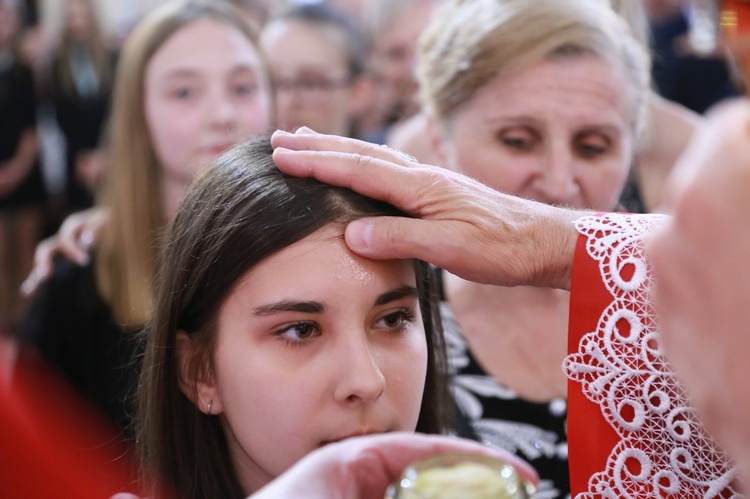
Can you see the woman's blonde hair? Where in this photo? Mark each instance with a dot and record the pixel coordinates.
(127, 254)
(469, 42)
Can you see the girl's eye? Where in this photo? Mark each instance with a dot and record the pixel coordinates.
(245, 89)
(298, 333)
(183, 93)
(398, 320)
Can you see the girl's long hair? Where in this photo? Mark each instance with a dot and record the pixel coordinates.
(238, 213)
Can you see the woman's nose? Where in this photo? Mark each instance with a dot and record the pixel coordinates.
(557, 183)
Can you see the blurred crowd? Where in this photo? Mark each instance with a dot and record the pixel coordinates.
(340, 67)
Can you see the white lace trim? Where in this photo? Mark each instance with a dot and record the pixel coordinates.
(621, 368)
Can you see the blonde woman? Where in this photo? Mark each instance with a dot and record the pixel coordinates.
(542, 103)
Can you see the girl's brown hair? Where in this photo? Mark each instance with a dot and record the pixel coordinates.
(238, 213)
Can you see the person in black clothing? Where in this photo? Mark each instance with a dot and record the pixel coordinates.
(81, 82)
(22, 190)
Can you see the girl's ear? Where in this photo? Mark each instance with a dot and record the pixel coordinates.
(195, 377)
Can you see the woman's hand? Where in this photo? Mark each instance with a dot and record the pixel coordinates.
(463, 226)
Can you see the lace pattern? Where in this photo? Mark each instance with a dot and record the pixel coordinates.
(663, 450)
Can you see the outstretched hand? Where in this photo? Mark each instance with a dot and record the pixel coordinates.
(363, 467)
(460, 224)
(74, 240)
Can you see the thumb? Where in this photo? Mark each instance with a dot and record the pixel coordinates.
(384, 238)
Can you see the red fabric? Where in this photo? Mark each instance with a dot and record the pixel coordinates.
(590, 438)
(50, 444)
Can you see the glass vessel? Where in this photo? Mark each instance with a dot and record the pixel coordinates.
(460, 476)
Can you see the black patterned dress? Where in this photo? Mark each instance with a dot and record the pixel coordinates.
(494, 414)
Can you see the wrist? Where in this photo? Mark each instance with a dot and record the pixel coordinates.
(559, 245)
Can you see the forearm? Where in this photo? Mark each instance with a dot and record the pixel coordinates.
(19, 165)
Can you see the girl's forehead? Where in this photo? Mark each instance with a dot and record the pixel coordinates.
(324, 257)
(204, 45)
(205, 35)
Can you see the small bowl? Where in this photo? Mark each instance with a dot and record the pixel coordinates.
(460, 476)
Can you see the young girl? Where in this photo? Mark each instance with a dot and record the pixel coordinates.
(270, 339)
(190, 83)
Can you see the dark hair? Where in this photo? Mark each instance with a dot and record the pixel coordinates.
(236, 214)
(356, 41)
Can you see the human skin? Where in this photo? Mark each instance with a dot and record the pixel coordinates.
(393, 53)
(512, 241)
(559, 131)
(363, 467)
(700, 265)
(323, 60)
(205, 89)
(315, 344)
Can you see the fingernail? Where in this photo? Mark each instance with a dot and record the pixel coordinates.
(306, 130)
(280, 132)
(359, 234)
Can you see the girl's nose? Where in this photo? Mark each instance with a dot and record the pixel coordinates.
(361, 379)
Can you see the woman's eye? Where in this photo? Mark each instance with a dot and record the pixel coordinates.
(298, 332)
(591, 150)
(592, 145)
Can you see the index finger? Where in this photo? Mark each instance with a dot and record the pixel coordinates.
(306, 139)
(368, 169)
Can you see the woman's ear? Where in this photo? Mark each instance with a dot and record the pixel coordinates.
(195, 376)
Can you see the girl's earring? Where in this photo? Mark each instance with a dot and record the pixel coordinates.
(208, 407)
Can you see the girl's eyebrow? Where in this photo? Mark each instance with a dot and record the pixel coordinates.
(191, 72)
(308, 307)
(314, 307)
(397, 294)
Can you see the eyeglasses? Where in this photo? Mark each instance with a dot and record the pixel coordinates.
(311, 88)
